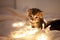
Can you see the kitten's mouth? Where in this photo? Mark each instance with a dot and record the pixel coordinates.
(34, 20)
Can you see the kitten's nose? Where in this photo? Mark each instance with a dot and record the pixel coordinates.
(32, 19)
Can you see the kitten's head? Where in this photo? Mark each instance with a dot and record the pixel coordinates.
(34, 14)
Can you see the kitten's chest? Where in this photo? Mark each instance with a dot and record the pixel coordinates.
(37, 24)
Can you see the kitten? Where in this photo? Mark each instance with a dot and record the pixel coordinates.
(35, 17)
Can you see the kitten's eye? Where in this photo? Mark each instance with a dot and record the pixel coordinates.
(36, 17)
(30, 16)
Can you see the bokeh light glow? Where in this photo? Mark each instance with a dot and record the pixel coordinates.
(27, 31)
(18, 24)
(43, 36)
(24, 32)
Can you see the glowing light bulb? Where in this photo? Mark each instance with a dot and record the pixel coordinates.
(21, 23)
(15, 25)
(18, 24)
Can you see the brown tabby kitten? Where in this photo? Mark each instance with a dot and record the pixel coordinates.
(35, 17)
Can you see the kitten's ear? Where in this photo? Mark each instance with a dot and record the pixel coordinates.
(41, 14)
(29, 11)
